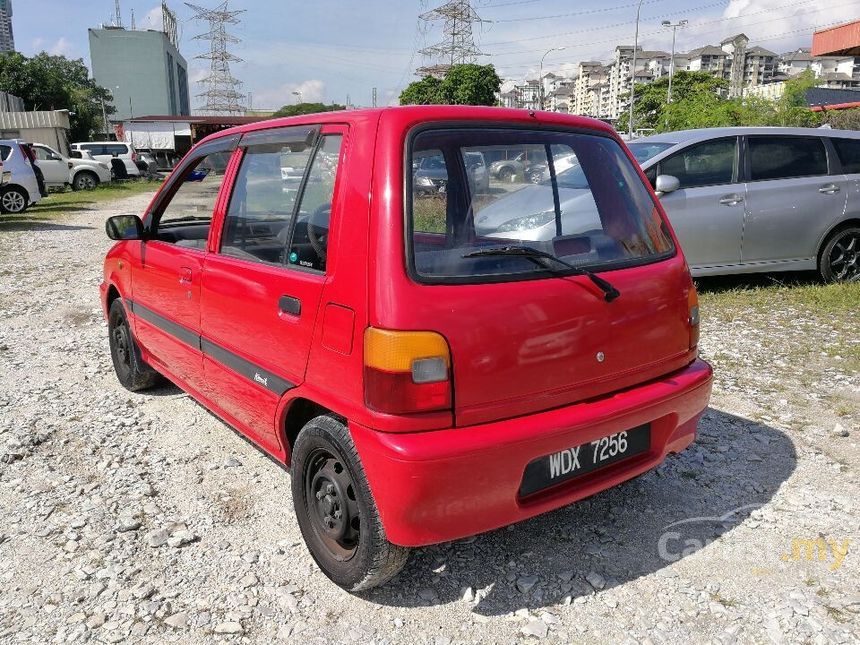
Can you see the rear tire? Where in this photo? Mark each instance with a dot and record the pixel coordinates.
(506, 174)
(132, 373)
(336, 511)
(839, 260)
(85, 180)
(13, 201)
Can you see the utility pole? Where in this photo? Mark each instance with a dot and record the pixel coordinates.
(633, 71)
(374, 97)
(674, 27)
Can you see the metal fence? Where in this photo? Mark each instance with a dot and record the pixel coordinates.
(11, 103)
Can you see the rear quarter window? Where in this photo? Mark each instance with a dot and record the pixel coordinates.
(848, 151)
(786, 157)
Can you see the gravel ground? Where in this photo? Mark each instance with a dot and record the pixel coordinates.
(143, 518)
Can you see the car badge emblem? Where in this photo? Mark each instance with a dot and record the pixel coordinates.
(601, 357)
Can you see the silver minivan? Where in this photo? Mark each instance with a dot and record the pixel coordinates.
(760, 199)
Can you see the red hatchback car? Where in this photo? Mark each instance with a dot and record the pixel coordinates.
(426, 366)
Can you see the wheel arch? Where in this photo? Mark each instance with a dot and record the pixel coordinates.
(836, 228)
(296, 413)
(90, 171)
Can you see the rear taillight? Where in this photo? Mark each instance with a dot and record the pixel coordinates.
(406, 371)
(693, 307)
(134, 157)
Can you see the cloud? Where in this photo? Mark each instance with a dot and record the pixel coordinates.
(312, 91)
(61, 48)
(37, 44)
(152, 20)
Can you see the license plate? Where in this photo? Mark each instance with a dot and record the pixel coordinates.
(585, 458)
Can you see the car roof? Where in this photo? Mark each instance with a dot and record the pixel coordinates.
(703, 134)
(408, 115)
(84, 143)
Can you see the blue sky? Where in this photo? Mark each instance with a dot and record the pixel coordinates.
(329, 49)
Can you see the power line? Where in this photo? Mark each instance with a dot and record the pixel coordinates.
(692, 25)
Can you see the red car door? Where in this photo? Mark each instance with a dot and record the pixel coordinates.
(166, 282)
(261, 290)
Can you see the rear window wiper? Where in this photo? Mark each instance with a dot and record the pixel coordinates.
(536, 255)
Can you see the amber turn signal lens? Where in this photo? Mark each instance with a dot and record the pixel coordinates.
(395, 351)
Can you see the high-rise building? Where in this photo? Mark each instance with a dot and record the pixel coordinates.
(143, 70)
(7, 38)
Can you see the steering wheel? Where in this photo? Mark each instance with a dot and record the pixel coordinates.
(318, 224)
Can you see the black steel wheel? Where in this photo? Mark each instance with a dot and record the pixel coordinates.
(336, 511)
(506, 174)
(840, 258)
(132, 373)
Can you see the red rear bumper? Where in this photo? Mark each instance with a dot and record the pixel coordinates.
(444, 485)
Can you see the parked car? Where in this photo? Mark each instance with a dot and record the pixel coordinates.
(60, 171)
(22, 188)
(422, 384)
(526, 166)
(430, 175)
(747, 200)
(107, 151)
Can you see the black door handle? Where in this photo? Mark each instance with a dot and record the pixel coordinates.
(290, 305)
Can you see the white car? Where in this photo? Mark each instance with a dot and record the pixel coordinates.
(60, 171)
(107, 151)
(21, 190)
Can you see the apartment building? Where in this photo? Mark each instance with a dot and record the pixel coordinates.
(602, 90)
(7, 37)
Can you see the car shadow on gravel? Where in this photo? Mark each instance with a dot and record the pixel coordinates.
(37, 224)
(637, 529)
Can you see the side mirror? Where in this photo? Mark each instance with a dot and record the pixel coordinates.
(666, 184)
(124, 227)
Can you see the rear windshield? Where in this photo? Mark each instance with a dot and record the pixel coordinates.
(578, 197)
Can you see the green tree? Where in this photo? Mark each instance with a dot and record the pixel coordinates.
(48, 82)
(792, 108)
(427, 91)
(462, 85)
(307, 108)
(692, 92)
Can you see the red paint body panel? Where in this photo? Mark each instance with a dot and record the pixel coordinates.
(526, 381)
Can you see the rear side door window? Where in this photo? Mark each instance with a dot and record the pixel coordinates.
(786, 157)
(281, 205)
(711, 163)
(848, 151)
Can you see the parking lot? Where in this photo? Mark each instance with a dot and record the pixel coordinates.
(143, 517)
